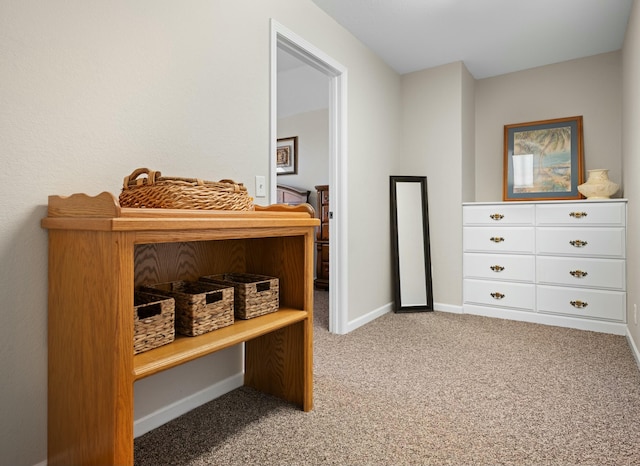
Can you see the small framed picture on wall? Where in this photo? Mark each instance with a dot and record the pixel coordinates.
(287, 156)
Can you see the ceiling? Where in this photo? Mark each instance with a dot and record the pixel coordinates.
(491, 37)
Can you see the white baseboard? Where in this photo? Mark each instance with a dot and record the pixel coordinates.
(448, 308)
(373, 315)
(616, 328)
(369, 317)
(537, 318)
(178, 408)
(634, 348)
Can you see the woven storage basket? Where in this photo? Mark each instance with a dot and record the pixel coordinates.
(156, 191)
(153, 321)
(255, 295)
(200, 307)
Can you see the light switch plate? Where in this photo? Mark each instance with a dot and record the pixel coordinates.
(261, 189)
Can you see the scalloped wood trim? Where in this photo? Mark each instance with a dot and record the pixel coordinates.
(287, 208)
(82, 205)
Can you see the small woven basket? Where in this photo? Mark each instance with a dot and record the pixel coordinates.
(255, 295)
(200, 307)
(153, 321)
(156, 191)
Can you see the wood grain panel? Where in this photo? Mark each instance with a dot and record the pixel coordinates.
(281, 257)
(164, 262)
(275, 364)
(90, 412)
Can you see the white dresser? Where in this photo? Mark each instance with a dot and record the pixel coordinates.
(552, 262)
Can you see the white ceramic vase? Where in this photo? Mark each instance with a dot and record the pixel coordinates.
(598, 185)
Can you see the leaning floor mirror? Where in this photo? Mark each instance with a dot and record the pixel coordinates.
(411, 256)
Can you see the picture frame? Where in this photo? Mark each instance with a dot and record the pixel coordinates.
(287, 156)
(543, 160)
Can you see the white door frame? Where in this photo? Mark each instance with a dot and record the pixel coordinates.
(283, 38)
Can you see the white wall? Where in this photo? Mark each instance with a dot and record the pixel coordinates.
(591, 87)
(374, 141)
(300, 89)
(312, 129)
(468, 136)
(433, 135)
(91, 90)
(631, 163)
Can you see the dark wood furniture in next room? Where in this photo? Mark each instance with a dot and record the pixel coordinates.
(322, 239)
(292, 196)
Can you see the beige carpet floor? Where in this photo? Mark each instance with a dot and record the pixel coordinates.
(429, 388)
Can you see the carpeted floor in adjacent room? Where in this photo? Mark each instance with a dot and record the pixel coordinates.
(429, 388)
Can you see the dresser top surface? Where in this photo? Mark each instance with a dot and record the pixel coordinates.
(581, 201)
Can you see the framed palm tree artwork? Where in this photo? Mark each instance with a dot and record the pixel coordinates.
(543, 160)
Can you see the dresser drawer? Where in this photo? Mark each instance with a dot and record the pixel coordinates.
(578, 271)
(499, 267)
(498, 214)
(582, 214)
(599, 242)
(499, 239)
(597, 304)
(502, 294)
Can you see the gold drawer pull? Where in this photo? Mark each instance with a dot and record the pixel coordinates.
(496, 216)
(578, 243)
(579, 304)
(497, 268)
(497, 295)
(578, 214)
(578, 273)
(497, 239)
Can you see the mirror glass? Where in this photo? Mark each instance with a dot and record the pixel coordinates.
(410, 244)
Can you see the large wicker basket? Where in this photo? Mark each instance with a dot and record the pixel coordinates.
(254, 295)
(200, 307)
(156, 191)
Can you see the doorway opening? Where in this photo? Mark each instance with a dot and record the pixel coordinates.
(284, 39)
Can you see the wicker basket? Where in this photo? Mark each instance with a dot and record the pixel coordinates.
(153, 321)
(200, 307)
(156, 191)
(255, 295)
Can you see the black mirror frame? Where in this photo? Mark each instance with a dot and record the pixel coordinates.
(393, 180)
